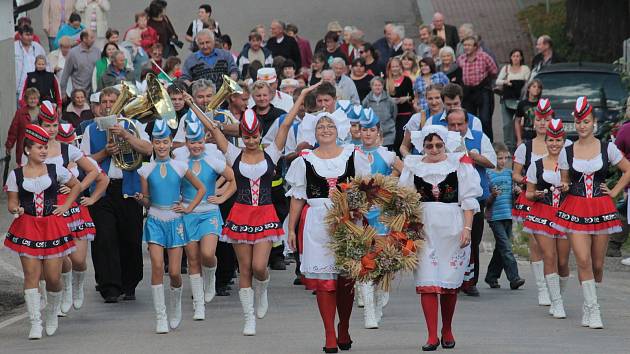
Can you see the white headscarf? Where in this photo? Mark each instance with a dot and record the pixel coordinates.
(452, 140)
(307, 128)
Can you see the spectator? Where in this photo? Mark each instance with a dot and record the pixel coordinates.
(465, 30)
(512, 78)
(410, 65)
(424, 47)
(162, 25)
(400, 88)
(452, 96)
(95, 14)
(23, 116)
(57, 58)
(317, 67)
(333, 26)
(408, 46)
(147, 34)
(361, 78)
(25, 21)
(437, 43)
(80, 64)
(55, 13)
(135, 53)
(433, 96)
(156, 57)
(71, 29)
(332, 49)
(478, 70)
(78, 110)
(281, 45)
(383, 46)
(306, 53)
(280, 100)
(112, 36)
(289, 86)
(260, 29)
(546, 54)
(428, 76)
(618, 239)
(208, 62)
(173, 70)
(226, 44)
(397, 35)
(253, 51)
(25, 53)
(204, 20)
(372, 63)
(288, 70)
(449, 65)
(102, 64)
(44, 81)
(524, 116)
(116, 71)
(354, 44)
(345, 87)
(447, 32)
(385, 109)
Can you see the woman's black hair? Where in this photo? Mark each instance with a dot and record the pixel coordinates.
(430, 137)
(74, 17)
(430, 63)
(358, 61)
(367, 47)
(104, 51)
(28, 144)
(514, 51)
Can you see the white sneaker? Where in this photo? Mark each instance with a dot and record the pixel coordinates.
(626, 261)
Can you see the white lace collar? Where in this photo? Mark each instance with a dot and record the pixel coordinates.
(422, 169)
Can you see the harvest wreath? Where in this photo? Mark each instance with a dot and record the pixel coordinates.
(359, 252)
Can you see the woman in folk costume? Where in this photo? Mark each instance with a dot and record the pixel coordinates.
(253, 224)
(78, 217)
(546, 191)
(312, 177)
(524, 156)
(39, 234)
(371, 158)
(161, 182)
(448, 186)
(588, 214)
(203, 225)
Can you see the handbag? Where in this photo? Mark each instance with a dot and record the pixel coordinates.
(498, 89)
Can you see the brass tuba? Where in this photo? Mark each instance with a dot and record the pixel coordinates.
(228, 88)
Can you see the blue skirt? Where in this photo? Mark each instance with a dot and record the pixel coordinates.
(198, 225)
(168, 234)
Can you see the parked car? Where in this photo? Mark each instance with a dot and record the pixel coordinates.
(564, 82)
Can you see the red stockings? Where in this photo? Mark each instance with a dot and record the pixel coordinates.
(429, 304)
(327, 303)
(447, 304)
(345, 300)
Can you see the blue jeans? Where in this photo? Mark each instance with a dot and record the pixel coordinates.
(502, 257)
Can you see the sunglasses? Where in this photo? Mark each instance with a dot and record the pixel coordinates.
(438, 146)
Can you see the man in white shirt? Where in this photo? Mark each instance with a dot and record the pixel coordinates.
(26, 50)
(280, 99)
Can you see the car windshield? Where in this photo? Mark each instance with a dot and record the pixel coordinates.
(565, 87)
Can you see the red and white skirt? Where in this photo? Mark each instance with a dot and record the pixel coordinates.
(252, 224)
(78, 219)
(597, 215)
(39, 237)
(542, 220)
(521, 208)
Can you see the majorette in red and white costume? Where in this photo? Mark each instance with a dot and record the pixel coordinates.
(525, 155)
(543, 214)
(38, 233)
(587, 209)
(253, 217)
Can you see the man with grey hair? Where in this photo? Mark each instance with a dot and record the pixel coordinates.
(355, 42)
(208, 62)
(116, 72)
(383, 45)
(346, 90)
(282, 45)
(447, 32)
(464, 31)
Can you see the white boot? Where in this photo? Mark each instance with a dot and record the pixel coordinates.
(382, 298)
(563, 284)
(369, 315)
(66, 293)
(247, 301)
(32, 299)
(54, 303)
(175, 307)
(590, 299)
(199, 306)
(260, 290)
(209, 283)
(385, 297)
(160, 309)
(539, 274)
(557, 306)
(42, 292)
(78, 281)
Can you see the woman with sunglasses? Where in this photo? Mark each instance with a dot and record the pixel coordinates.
(448, 185)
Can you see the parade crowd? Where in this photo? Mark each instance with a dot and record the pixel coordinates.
(240, 186)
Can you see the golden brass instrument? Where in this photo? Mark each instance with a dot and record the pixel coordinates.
(229, 87)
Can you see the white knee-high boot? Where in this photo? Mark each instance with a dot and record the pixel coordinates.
(52, 309)
(246, 296)
(160, 309)
(78, 282)
(42, 291)
(199, 306)
(260, 293)
(32, 297)
(539, 275)
(209, 282)
(358, 295)
(557, 306)
(590, 304)
(369, 304)
(66, 293)
(175, 304)
(382, 298)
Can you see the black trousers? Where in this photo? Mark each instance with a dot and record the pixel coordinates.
(117, 246)
(401, 121)
(479, 100)
(281, 204)
(475, 239)
(226, 258)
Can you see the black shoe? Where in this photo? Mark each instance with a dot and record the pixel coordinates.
(222, 291)
(111, 299)
(345, 346)
(278, 264)
(184, 270)
(515, 284)
(129, 295)
(447, 345)
(430, 347)
(330, 350)
(493, 284)
(297, 281)
(471, 291)
(231, 282)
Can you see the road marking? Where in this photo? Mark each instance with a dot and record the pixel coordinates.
(12, 320)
